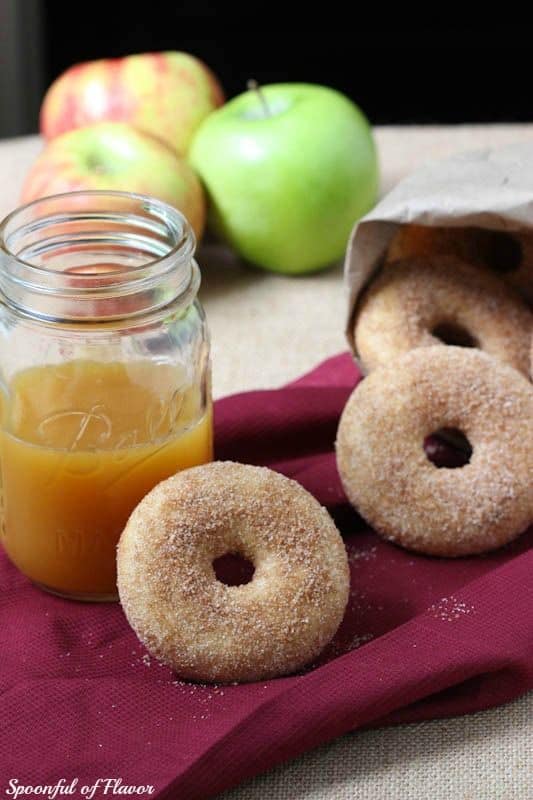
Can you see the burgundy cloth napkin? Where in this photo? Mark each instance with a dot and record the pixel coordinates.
(422, 638)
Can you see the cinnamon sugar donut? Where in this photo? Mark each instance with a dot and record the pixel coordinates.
(423, 301)
(400, 492)
(205, 629)
(508, 254)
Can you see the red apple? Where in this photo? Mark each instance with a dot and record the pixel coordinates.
(112, 155)
(165, 94)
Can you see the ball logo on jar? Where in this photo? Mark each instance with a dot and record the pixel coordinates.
(162, 419)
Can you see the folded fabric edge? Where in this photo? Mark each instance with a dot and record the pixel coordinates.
(221, 766)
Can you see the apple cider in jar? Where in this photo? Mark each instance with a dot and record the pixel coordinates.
(105, 378)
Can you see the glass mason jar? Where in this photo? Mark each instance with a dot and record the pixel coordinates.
(104, 377)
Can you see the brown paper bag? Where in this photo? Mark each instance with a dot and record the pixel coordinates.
(488, 189)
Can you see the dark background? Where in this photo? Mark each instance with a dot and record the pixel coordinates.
(397, 76)
(402, 75)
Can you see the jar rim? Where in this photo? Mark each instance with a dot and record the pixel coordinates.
(176, 217)
(146, 245)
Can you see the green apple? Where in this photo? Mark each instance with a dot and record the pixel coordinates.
(288, 170)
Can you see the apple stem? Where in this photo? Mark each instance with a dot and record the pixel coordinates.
(253, 86)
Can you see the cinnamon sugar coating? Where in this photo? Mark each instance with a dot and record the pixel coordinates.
(204, 629)
(404, 496)
(505, 253)
(421, 301)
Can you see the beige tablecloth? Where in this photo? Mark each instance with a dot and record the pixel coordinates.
(267, 329)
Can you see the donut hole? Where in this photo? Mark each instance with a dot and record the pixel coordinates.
(448, 447)
(453, 334)
(233, 569)
(501, 251)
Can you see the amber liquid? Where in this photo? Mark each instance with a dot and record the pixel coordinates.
(72, 477)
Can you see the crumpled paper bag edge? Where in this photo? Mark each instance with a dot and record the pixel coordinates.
(490, 188)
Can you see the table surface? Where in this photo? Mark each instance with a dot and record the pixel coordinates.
(293, 323)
